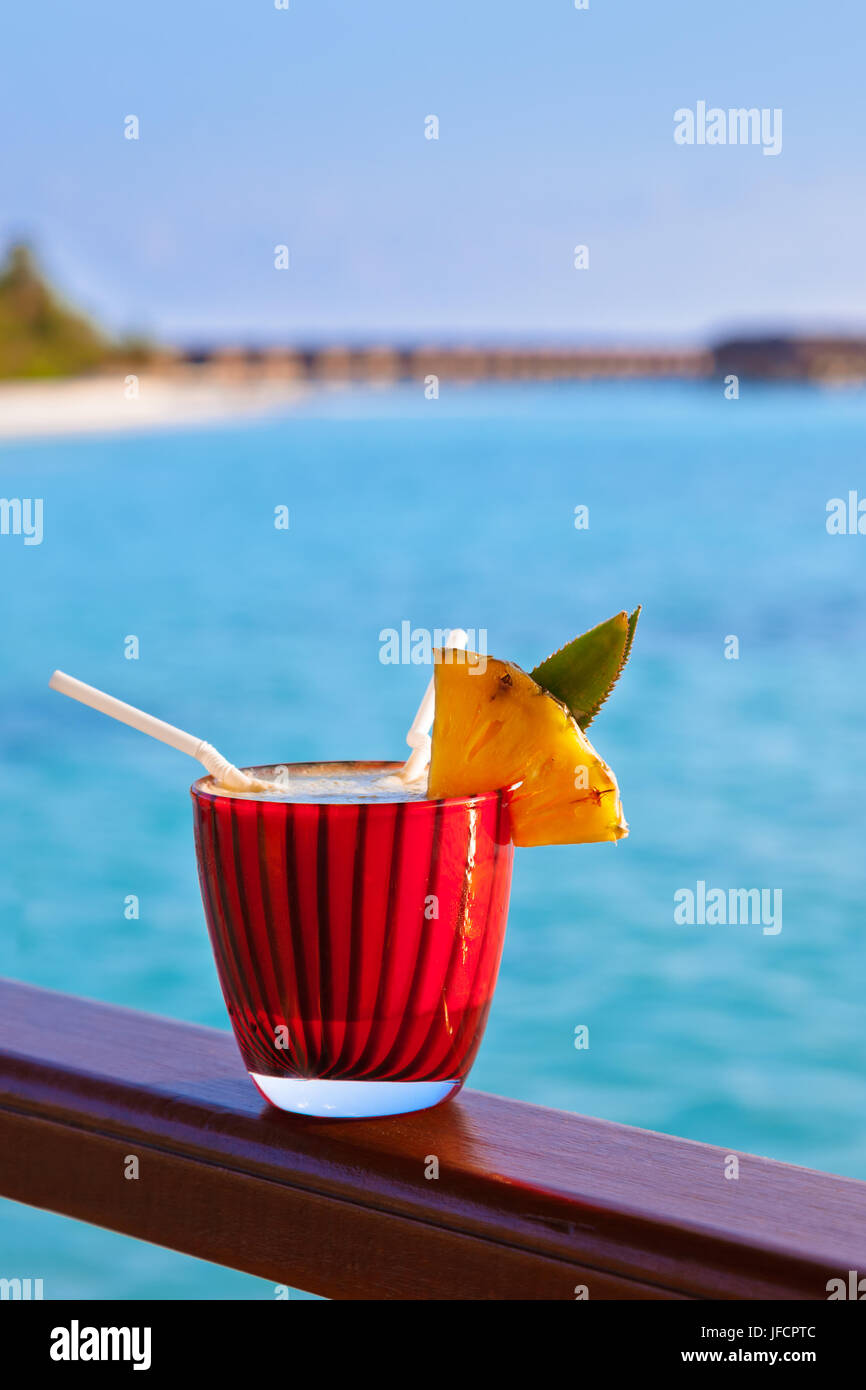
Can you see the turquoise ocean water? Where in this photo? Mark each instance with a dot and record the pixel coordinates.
(741, 773)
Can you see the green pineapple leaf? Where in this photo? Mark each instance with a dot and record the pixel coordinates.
(583, 672)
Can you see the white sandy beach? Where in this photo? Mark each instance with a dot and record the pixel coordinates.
(97, 405)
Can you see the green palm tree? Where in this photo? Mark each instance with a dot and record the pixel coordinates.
(39, 335)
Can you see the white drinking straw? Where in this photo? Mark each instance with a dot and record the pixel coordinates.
(418, 737)
(223, 772)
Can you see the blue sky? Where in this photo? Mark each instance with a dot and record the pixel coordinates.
(305, 127)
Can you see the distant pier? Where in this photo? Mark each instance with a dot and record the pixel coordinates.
(825, 359)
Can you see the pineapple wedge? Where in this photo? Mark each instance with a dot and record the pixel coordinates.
(494, 727)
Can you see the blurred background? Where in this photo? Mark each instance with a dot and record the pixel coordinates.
(431, 387)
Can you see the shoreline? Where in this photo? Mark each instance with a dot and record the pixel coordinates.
(183, 395)
(53, 408)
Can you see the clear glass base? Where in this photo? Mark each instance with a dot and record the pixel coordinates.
(352, 1100)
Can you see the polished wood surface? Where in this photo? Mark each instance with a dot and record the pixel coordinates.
(529, 1203)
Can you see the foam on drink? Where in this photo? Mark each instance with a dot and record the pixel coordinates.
(330, 782)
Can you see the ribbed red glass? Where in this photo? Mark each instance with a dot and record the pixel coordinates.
(355, 941)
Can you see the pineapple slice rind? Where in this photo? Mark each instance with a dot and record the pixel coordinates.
(495, 727)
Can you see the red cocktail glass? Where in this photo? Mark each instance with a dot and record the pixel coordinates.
(357, 943)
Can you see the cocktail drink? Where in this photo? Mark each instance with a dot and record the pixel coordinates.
(357, 928)
(357, 910)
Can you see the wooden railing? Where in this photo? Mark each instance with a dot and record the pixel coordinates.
(529, 1203)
